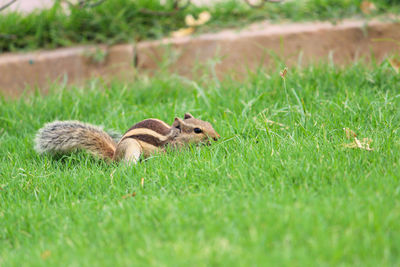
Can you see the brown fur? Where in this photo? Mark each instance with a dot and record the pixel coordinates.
(143, 138)
(149, 139)
(153, 124)
(188, 135)
(67, 136)
(104, 147)
(128, 150)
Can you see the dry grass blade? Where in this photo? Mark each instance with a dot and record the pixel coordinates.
(276, 123)
(284, 72)
(142, 182)
(263, 120)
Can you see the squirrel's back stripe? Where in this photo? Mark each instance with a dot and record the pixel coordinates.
(152, 140)
(155, 125)
(145, 131)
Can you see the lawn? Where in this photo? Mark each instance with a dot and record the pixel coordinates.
(265, 194)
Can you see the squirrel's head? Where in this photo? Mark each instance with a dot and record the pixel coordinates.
(193, 130)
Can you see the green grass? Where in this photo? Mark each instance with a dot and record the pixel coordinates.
(121, 21)
(263, 195)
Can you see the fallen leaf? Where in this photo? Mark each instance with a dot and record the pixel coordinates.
(182, 32)
(349, 133)
(129, 195)
(395, 63)
(45, 254)
(367, 7)
(204, 17)
(142, 182)
(364, 144)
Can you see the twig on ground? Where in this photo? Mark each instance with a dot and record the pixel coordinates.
(7, 5)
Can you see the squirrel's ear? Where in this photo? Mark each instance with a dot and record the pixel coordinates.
(177, 123)
(188, 116)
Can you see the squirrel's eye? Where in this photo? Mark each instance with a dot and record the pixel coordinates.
(197, 130)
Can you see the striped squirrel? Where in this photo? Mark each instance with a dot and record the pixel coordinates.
(143, 138)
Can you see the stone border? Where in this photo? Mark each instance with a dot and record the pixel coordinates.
(266, 44)
(38, 69)
(236, 51)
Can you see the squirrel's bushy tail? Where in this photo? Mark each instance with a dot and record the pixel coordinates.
(61, 137)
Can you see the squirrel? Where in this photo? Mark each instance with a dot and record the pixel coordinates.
(142, 139)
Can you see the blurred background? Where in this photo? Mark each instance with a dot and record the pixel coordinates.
(72, 40)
